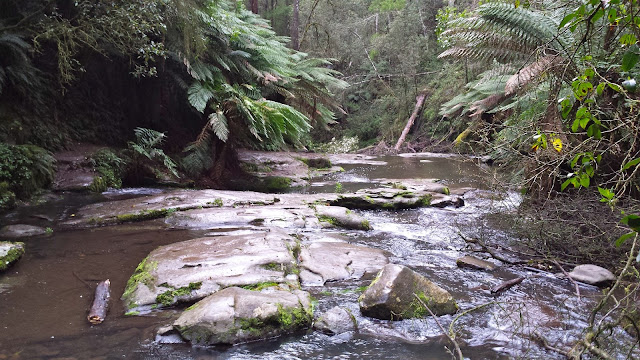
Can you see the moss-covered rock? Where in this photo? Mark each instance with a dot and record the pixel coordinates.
(192, 270)
(392, 295)
(341, 217)
(10, 253)
(236, 315)
(383, 199)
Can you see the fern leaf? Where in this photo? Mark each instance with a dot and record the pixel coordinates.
(199, 95)
(218, 124)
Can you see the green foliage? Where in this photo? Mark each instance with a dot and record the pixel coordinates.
(110, 167)
(24, 169)
(17, 73)
(387, 5)
(146, 148)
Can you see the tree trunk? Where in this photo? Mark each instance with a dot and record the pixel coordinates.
(254, 6)
(100, 306)
(419, 101)
(295, 25)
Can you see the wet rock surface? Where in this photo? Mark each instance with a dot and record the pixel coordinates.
(10, 252)
(341, 217)
(259, 216)
(592, 274)
(337, 320)
(236, 315)
(19, 231)
(194, 269)
(475, 263)
(333, 261)
(383, 198)
(392, 295)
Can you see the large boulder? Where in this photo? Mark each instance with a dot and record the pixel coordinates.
(341, 217)
(592, 274)
(194, 269)
(331, 261)
(392, 295)
(19, 231)
(10, 253)
(236, 315)
(336, 321)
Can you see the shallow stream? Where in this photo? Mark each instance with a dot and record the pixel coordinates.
(45, 296)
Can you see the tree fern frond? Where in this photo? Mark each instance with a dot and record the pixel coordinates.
(218, 124)
(199, 94)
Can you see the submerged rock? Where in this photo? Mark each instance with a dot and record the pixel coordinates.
(341, 217)
(336, 321)
(592, 274)
(10, 253)
(193, 269)
(392, 295)
(331, 261)
(475, 263)
(21, 231)
(236, 315)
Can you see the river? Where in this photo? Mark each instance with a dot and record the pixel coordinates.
(45, 296)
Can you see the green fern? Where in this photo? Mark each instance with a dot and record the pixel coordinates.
(146, 145)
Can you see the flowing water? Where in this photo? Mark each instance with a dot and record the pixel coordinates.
(44, 297)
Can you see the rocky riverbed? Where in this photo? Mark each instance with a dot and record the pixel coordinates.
(259, 270)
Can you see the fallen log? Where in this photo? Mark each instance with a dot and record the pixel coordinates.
(419, 102)
(507, 284)
(98, 311)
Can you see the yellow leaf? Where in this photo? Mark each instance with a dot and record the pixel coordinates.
(557, 144)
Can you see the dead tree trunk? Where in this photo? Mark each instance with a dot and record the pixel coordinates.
(100, 306)
(419, 102)
(254, 6)
(295, 25)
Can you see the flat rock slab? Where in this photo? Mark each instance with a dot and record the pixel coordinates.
(193, 269)
(392, 295)
(592, 274)
(475, 263)
(161, 205)
(333, 261)
(19, 231)
(341, 217)
(336, 321)
(429, 185)
(10, 253)
(270, 216)
(235, 315)
(393, 199)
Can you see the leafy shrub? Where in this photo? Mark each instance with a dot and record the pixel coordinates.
(110, 167)
(24, 169)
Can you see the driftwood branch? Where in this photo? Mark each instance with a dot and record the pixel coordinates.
(448, 335)
(490, 251)
(100, 306)
(507, 284)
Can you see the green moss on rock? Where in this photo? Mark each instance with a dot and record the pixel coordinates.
(169, 297)
(142, 275)
(14, 254)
